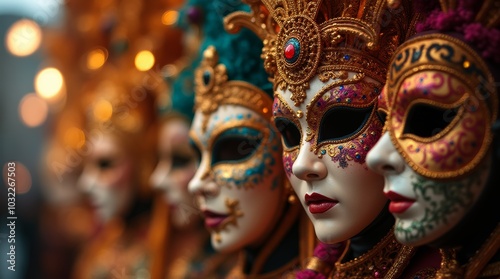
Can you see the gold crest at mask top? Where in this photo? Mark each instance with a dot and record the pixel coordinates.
(304, 39)
(213, 89)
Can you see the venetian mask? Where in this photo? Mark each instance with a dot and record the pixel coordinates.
(326, 138)
(328, 61)
(434, 152)
(175, 168)
(239, 183)
(108, 177)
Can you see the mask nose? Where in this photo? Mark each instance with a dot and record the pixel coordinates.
(202, 183)
(308, 166)
(383, 158)
(159, 177)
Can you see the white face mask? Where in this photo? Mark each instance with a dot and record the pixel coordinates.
(107, 178)
(239, 184)
(425, 209)
(176, 167)
(434, 154)
(325, 141)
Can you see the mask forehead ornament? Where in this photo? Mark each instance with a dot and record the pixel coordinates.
(440, 71)
(324, 39)
(213, 89)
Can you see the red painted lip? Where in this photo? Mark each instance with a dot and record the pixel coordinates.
(213, 219)
(399, 204)
(318, 203)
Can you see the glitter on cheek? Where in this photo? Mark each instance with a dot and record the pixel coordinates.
(252, 172)
(356, 149)
(289, 158)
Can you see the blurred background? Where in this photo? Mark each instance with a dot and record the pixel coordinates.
(24, 122)
(49, 49)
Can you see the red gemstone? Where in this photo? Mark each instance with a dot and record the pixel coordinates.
(289, 51)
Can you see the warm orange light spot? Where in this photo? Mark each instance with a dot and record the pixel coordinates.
(48, 83)
(74, 138)
(169, 17)
(20, 177)
(23, 37)
(103, 110)
(144, 60)
(33, 110)
(96, 58)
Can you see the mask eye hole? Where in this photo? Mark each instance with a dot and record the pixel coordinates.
(382, 116)
(104, 163)
(180, 160)
(289, 132)
(340, 122)
(425, 121)
(236, 147)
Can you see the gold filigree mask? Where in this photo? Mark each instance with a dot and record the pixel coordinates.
(441, 106)
(221, 99)
(328, 39)
(328, 131)
(213, 89)
(240, 176)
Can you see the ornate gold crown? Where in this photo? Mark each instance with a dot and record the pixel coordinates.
(213, 89)
(303, 39)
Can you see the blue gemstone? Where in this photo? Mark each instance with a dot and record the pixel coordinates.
(347, 57)
(323, 152)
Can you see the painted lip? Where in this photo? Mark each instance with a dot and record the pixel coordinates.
(398, 204)
(213, 219)
(318, 203)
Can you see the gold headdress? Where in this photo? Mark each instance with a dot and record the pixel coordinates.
(303, 39)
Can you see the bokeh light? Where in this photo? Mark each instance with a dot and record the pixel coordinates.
(74, 138)
(144, 60)
(23, 37)
(169, 17)
(33, 110)
(20, 180)
(48, 83)
(96, 58)
(103, 110)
